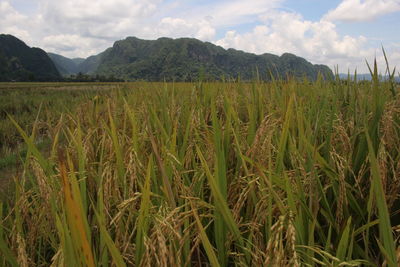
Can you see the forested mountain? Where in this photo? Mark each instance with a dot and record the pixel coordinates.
(78, 60)
(66, 66)
(133, 59)
(90, 65)
(367, 77)
(19, 62)
(186, 58)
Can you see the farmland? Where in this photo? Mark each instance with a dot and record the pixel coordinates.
(279, 173)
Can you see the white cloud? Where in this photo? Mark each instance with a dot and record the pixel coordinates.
(358, 10)
(73, 45)
(318, 41)
(226, 13)
(10, 21)
(99, 10)
(177, 27)
(83, 28)
(205, 32)
(238, 11)
(100, 18)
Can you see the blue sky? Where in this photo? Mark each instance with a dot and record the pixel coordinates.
(341, 33)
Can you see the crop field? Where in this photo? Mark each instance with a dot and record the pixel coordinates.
(279, 173)
(41, 102)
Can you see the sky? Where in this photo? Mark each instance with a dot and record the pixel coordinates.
(338, 33)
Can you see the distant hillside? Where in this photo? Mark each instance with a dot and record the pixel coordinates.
(64, 65)
(19, 62)
(90, 65)
(78, 60)
(184, 59)
(67, 66)
(366, 77)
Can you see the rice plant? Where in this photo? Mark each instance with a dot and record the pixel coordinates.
(280, 173)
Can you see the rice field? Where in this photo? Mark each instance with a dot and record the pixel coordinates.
(279, 173)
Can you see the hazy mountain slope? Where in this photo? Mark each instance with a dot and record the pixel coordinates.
(78, 60)
(90, 64)
(19, 62)
(64, 65)
(168, 59)
(366, 77)
(71, 66)
(185, 58)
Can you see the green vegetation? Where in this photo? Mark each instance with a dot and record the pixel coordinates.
(280, 173)
(18, 62)
(40, 103)
(71, 67)
(164, 59)
(66, 66)
(186, 59)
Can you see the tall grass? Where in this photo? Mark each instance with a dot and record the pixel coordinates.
(284, 173)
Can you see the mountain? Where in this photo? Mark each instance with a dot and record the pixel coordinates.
(366, 77)
(186, 58)
(78, 60)
(64, 65)
(67, 66)
(19, 62)
(90, 65)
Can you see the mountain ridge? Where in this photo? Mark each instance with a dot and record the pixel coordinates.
(184, 59)
(19, 62)
(164, 59)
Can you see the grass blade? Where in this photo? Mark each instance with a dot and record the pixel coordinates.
(385, 228)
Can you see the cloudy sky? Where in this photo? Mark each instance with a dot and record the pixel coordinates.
(332, 32)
